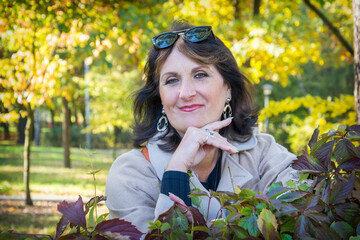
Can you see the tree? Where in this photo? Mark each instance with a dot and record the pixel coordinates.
(356, 12)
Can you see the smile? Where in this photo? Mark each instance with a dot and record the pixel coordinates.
(190, 108)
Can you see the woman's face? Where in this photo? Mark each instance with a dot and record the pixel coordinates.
(192, 94)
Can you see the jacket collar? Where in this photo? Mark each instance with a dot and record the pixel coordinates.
(159, 160)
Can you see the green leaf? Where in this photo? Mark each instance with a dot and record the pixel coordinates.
(219, 223)
(303, 187)
(252, 226)
(158, 223)
(91, 216)
(246, 211)
(102, 217)
(275, 185)
(303, 177)
(182, 220)
(249, 223)
(152, 225)
(343, 229)
(355, 238)
(291, 196)
(165, 226)
(267, 224)
(286, 237)
(247, 193)
(288, 226)
(260, 206)
(290, 183)
(273, 193)
(240, 233)
(195, 201)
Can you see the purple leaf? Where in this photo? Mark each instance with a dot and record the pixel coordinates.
(119, 226)
(343, 229)
(288, 209)
(276, 202)
(263, 197)
(323, 233)
(344, 150)
(347, 211)
(61, 226)
(324, 153)
(199, 220)
(314, 137)
(111, 235)
(77, 236)
(351, 164)
(341, 190)
(302, 227)
(317, 217)
(325, 195)
(355, 128)
(74, 212)
(308, 162)
(312, 202)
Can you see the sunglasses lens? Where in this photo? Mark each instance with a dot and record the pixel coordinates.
(198, 34)
(165, 40)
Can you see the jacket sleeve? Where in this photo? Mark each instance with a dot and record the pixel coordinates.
(132, 190)
(274, 162)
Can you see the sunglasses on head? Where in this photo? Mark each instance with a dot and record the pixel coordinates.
(194, 34)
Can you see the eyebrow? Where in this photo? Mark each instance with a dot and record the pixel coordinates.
(194, 70)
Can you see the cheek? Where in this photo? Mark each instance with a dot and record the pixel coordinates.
(167, 98)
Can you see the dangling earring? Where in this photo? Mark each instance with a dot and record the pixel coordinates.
(227, 109)
(163, 122)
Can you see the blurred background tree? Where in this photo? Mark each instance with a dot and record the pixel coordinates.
(299, 47)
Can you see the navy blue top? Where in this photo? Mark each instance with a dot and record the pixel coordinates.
(178, 183)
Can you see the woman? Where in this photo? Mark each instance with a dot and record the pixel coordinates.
(194, 114)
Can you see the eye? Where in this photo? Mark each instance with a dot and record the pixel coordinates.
(201, 75)
(171, 81)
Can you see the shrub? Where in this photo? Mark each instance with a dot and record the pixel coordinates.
(328, 209)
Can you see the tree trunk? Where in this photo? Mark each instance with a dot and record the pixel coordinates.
(237, 9)
(256, 7)
(356, 12)
(27, 145)
(66, 133)
(117, 132)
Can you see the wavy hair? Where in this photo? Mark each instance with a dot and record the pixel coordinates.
(147, 103)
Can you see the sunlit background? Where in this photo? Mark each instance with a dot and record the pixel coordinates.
(69, 67)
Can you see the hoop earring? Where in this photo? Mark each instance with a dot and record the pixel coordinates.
(163, 122)
(227, 109)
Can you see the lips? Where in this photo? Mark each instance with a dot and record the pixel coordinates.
(190, 108)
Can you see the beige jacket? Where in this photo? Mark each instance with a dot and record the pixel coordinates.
(133, 184)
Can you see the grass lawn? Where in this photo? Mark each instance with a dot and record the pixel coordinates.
(48, 179)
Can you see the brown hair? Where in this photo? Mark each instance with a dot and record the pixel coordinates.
(147, 103)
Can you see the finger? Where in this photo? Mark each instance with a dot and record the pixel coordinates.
(214, 126)
(176, 199)
(181, 205)
(220, 142)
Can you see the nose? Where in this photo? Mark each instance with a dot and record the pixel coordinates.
(187, 89)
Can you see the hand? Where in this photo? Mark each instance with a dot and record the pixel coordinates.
(197, 143)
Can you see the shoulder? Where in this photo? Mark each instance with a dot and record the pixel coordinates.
(130, 163)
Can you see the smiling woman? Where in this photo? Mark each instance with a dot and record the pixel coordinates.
(195, 115)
